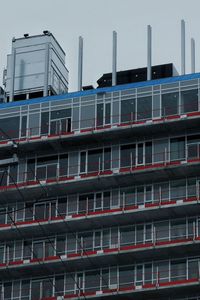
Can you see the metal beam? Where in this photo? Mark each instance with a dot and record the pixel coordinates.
(192, 55)
(114, 59)
(149, 51)
(182, 47)
(80, 64)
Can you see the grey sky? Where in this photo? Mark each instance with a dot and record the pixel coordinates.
(95, 21)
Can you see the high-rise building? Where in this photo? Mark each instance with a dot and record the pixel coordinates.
(99, 189)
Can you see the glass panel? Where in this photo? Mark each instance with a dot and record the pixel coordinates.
(127, 235)
(126, 276)
(59, 285)
(38, 250)
(189, 101)
(144, 108)
(45, 123)
(9, 128)
(160, 150)
(193, 270)
(127, 155)
(178, 270)
(88, 116)
(140, 155)
(99, 114)
(47, 287)
(25, 289)
(92, 281)
(83, 162)
(107, 158)
(35, 290)
(178, 189)
(178, 229)
(148, 152)
(95, 160)
(177, 148)
(34, 124)
(170, 104)
(63, 165)
(23, 126)
(128, 110)
(7, 291)
(107, 113)
(162, 231)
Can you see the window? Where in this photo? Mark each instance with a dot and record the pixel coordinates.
(178, 229)
(127, 196)
(88, 116)
(107, 158)
(59, 285)
(63, 164)
(9, 128)
(144, 108)
(178, 189)
(95, 160)
(178, 270)
(177, 148)
(127, 155)
(126, 276)
(127, 235)
(170, 104)
(47, 167)
(92, 280)
(128, 111)
(189, 101)
(44, 123)
(160, 150)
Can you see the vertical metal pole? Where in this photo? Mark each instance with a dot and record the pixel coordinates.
(182, 47)
(80, 63)
(46, 71)
(149, 51)
(114, 59)
(12, 73)
(192, 55)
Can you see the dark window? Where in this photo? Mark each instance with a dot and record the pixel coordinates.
(177, 148)
(59, 285)
(127, 235)
(126, 276)
(38, 251)
(25, 289)
(128, 111)
(45, 123)
(189, 101)
(178, 270)
(63, 165)
(86, 203)
(7, 291)
(83, 162)
(47, 288)
(140, 155)
(30, 169)
(148, 152)
(92, 281)
(9, 128)
(95, 160)
(60, 245)
(23, 126)
(144, 108)
(99, 114)
(107, 158)
(106, 200)
(127, 155)
(170, 104)
(107, 113)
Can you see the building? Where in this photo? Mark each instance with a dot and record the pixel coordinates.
(100, 193)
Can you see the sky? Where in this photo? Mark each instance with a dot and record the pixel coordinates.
(94, 21)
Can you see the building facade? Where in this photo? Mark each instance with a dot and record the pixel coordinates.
(100, 193)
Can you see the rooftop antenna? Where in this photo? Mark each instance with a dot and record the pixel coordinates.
(114, 59)
(149, 51)
(80, 64)
(182, 47)
(192, 55)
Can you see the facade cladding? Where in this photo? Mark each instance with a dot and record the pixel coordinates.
(101, 197)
